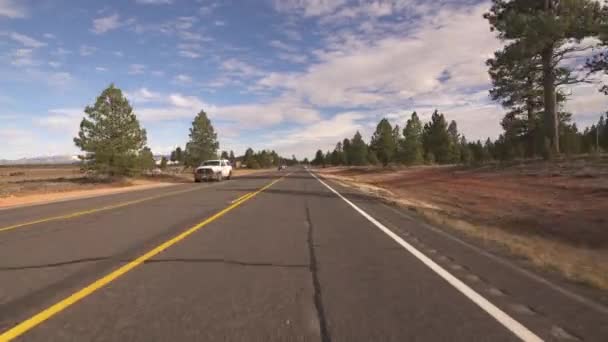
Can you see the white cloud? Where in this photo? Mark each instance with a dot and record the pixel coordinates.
(157, 73)
(118, 53)
(154, 2)
(308, 7)
(86, 50)
(239, 68)
(303, 141)
(101, 69)
(182, 79)
(136, 69)
(26, 40)
(11, 9)
(23, 57)
(189, 50)
(143, 95)
(54, 64)
(282, 46)
(105, 24)
(49, 36)
(63, 120)
(220, 23)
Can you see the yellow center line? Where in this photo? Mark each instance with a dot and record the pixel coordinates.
(49, 312)
(96, 210)
(242, 197)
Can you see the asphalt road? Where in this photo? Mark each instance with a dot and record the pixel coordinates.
(272, 257)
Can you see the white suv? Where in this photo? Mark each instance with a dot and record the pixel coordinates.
(213, 169)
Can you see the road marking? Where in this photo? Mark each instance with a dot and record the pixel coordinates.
(242, 197)
(96, 210)
(507, 321)
(49, 312)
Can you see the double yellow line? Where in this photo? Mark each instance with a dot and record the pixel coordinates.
(96, 210)
(49, 312)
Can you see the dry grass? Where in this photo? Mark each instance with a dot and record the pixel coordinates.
(577, 261)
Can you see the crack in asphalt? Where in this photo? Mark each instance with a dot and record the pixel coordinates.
(325, 336)
(184, 260)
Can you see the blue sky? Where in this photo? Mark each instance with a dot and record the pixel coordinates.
(290, 75)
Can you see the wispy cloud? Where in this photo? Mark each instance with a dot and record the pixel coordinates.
(105, 24)
(154, 2)
(11, 9)
(86, 50)
(26, 41)
(136, 69)
(182, 79)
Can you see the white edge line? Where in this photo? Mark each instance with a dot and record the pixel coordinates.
(507, 321)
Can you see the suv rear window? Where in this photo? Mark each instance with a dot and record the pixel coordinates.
(211, 163)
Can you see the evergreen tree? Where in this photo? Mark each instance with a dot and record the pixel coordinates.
(358, 150)
(249, 157)
(412, 142)
(145, 159)
(436, 139)
(347, 151)
(372, 158)
(319, 159)
(546, 29)
(173, 158)
(454, 148)
(179, 155)
(224, 155)
(110, 135)
(163, 163)
(383, 142)
(203, 142)
(232, 158)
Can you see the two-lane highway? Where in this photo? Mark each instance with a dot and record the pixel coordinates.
(272, 257)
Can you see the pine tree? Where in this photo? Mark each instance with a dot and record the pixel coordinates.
(203, 144)
(224, 155)
(179, 155)
(319, 159)
(145, 159)
(412, 142)
(110, 135)
(347, 151)
(173, 158)
(372, 158)
(436, 139)
(454, 148)
(546, 29)
(383, 142)
(163, 163)
(232, 158)
(358, 150)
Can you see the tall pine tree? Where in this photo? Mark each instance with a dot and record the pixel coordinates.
(203, 144)
(110, 135)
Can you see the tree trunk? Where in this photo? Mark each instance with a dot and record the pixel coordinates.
(550, 118)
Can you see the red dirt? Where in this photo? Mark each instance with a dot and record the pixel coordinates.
(566, 201)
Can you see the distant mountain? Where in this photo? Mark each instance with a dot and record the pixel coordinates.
(62, 159)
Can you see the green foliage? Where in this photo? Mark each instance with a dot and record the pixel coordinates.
(203, 142)
(319, 159)
(357, 154)
(372, 158)
(436, 139)
(346, 148)
(383, 142)
(412, 142)
(163, 163)
(110, 135)
(224, 155)
(145, 159)
(540, 35)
